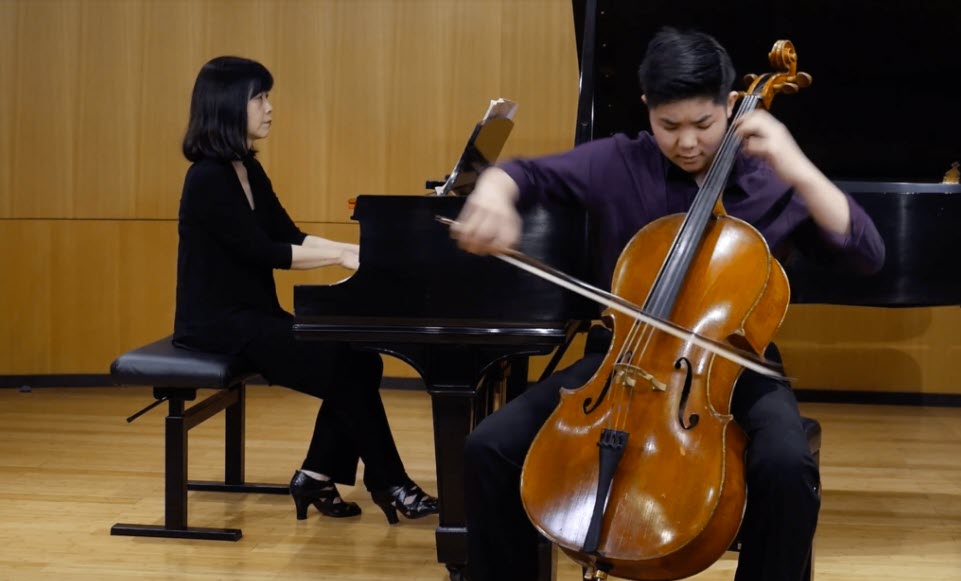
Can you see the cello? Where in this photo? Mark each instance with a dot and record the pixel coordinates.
(651, 485)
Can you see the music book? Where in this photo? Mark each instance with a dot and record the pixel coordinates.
(482, 149)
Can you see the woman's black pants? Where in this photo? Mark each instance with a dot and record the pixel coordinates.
(351, 423)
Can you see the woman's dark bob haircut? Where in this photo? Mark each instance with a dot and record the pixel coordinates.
(218, 108)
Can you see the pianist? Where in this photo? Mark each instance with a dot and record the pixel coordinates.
(624, 183)
(233, 233)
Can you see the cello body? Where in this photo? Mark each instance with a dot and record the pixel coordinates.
(678, 493)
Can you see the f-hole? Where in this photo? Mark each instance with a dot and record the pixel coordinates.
(685, 393)
(588, 407)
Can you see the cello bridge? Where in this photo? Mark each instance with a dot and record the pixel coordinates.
(629, 375)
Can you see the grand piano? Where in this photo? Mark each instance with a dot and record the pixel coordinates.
(467, 324)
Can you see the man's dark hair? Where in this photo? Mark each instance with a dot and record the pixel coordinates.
(685, 64)
(218, 108)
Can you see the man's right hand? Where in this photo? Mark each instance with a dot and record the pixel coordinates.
(489, 222)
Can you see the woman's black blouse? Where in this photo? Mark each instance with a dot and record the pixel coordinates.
(225, 283)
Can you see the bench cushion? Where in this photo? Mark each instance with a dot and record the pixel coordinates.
(161, 364)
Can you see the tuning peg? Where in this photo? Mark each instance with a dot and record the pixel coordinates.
(789, 88)
(803, 80)
(749, 79)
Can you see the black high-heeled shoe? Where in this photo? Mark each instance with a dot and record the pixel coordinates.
(408, 499)
(322, 494)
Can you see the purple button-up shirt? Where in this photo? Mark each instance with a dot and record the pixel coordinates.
(626, 183)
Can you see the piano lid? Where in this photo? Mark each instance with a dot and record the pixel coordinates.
(879, 109)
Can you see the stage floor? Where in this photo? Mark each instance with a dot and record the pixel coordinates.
(71, 467)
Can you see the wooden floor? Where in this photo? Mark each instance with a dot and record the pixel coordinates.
(70, 467)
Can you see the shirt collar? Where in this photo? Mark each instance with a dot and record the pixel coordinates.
(733, 190)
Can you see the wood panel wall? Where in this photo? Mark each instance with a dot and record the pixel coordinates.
(371, 96)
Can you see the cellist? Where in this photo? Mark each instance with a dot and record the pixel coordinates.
(624, 183)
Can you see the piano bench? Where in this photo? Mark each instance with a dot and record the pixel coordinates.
(175, 375)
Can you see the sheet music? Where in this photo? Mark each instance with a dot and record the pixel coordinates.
(491, 131)
(500, 108)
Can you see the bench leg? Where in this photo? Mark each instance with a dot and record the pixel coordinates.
(177, 423)
(175, 468)
(234, 437)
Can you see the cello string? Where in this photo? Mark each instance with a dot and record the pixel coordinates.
(721, 165)
(625, 393)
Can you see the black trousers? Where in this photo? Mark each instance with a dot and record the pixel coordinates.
(781, 476)
(351, 423)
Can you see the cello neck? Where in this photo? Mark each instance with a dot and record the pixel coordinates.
(674, 269)
(716, 179)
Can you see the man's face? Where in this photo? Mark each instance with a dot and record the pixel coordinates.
(690, 131)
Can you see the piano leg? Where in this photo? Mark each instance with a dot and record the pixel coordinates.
(453, 419)
(503, 381)
(464, 382)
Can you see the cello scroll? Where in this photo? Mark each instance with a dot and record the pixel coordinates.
(788, 80)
